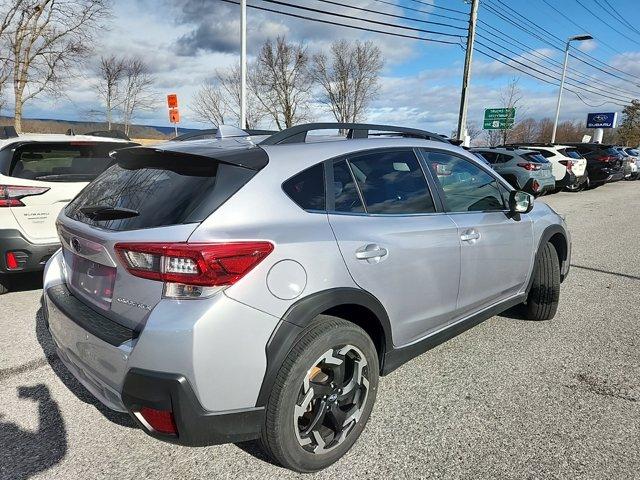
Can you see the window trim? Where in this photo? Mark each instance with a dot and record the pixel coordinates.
(477, 163)
(330, 194)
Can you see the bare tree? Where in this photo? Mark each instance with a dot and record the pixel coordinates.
(110, 73)
(137, 93)
(282, 82)
(219, 101)
(209, 106)
(348, 77)
(44, 41)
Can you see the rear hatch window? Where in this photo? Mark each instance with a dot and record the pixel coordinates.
(535, 157)
(154, 188)
(571, 153)
(62, 162)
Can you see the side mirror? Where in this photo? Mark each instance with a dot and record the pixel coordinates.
(520, 202)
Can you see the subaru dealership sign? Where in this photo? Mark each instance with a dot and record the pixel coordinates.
(602, 120)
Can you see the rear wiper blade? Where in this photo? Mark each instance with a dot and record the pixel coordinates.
(64, 176)
(106, 212)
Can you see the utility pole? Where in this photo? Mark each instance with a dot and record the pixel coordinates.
(464, 98)
(243, 64)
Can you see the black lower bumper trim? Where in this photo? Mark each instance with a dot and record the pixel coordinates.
(196, 426)
(36, 254)
(96, 324)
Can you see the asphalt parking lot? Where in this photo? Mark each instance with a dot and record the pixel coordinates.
(507, 399)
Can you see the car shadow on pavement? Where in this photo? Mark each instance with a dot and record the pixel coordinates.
(44, 338)
(22, 282)
(253, 448)
(26, 453)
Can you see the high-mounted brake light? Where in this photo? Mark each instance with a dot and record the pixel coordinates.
(192, 264)
(11, 195)
(530, 166)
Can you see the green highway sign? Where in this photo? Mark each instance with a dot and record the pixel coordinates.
(499, 118)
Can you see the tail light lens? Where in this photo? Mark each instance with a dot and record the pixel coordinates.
(606, 158)
(187, 267)
(530, 166)
(568, 164)
(10, 195)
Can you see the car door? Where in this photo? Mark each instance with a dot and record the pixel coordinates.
(395, 243)
(496, 247)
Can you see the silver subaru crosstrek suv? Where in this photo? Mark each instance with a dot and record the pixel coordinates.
(226, 290)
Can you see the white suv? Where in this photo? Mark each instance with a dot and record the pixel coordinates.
(39, 175)
(568, 165)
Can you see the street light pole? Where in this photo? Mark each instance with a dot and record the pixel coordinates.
(578, 38)
(243, 64)
(464, 98)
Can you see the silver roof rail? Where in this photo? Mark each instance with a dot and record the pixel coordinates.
(298, 133)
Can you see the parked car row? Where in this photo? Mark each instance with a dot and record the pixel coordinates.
(542, 168)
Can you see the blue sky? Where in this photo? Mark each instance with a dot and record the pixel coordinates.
(185, 41)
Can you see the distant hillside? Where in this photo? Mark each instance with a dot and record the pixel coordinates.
(41, 125)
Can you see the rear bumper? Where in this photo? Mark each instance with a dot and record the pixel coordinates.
(33, 255)
(195, 425)
(545, 185)
(206, 366)
(599, 173)
(571, 180)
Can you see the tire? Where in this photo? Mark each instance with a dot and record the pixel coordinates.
(289, 435)
(544, 296)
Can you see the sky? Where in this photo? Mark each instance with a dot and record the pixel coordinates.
(185, 41)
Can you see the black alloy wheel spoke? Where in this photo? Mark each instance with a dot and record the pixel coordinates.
(320, 411)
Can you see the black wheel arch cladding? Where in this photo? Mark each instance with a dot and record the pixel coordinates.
(339, 302)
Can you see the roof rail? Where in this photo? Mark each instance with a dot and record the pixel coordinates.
(8, 131)
(108, 134)
(530, 144)
(213, 132)
(298, 133)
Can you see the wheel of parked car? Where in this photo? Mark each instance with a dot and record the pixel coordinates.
(322, 397)
(544, 295)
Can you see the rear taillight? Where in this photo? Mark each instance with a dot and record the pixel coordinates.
(160, 421)
(568, 164)
(188, 269)
(606, 158)
(10, 195)
(530, 166)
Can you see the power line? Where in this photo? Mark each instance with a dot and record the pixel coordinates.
(605, 22)
(617, 91)
(604, 95)
(553, 45)
(432, 5)
(355, 27)
(351, 17)
(434, 14)
(573, 22)
(617, 14)
(402, 17)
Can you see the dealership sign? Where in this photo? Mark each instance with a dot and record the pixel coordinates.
(499, 118)
(602, 120)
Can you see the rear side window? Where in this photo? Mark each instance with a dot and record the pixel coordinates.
(392, 182)
(160, 190)
(307, 188)
(345, 194)
(62, 162)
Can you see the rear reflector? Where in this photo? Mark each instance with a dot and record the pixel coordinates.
(10, 195)
(12, 261)
(161, 421)
(202, 264)
(568, 164)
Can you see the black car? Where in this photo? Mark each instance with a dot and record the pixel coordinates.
(604, 163)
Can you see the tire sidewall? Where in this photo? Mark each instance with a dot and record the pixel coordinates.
(294, 455)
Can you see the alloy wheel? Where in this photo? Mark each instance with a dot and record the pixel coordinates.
(331, 399)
